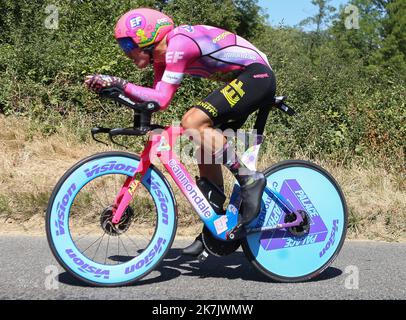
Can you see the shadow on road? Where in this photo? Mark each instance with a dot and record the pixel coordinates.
(234, 266)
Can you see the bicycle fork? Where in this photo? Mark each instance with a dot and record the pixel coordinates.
(127, 192)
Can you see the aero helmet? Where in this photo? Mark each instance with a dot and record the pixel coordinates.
(142, 28)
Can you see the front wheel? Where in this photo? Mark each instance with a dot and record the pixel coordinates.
(78, 221)
(289, 255)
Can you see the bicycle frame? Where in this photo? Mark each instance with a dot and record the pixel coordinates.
(160, 145)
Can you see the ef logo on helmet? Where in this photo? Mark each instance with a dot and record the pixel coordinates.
(137, 21)
(143, 26)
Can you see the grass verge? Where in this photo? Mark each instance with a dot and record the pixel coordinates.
(31, 164)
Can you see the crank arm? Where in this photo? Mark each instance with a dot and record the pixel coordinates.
(239, 231)
(287, 225)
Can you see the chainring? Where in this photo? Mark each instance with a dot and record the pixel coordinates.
(304, 227)
(217, 247)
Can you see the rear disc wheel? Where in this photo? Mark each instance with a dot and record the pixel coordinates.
(299, 253)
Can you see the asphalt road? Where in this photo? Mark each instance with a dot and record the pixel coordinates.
(381, 267)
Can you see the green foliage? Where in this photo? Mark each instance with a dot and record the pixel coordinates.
(210, 12)
(381, 38)
(251, 19)
(5, 209)
(348, 86)
(322, 17)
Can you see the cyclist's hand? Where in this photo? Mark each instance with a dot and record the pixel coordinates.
(98, 82)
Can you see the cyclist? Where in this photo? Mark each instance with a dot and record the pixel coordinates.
(149, 37)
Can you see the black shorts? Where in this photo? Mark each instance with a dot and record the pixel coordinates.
(230, 106)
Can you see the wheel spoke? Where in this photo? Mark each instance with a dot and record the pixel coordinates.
(105, 193)
(124, 246)
(82, 237)
(92, 244)
(102, 205)
(118, 250)
(131, 240)
(143, 236)
(107, 250)
(99, 245)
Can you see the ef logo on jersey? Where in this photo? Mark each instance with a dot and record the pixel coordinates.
(174, 56)
(233, 92)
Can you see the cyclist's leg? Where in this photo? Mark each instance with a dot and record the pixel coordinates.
(253, 88)
(196, 119)
(204, 134)
(209, 170)
(207, 140)
(233, 103)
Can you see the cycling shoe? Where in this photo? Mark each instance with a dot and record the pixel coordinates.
(251, 196)
(195, 248)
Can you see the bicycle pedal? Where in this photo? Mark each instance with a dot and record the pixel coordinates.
(203, 256)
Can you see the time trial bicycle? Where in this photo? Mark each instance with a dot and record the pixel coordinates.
(297, 235)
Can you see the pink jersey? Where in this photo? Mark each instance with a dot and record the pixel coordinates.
(200, 51)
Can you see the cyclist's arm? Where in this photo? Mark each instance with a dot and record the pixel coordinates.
(162, 93)
(181, 50)
(158, 73)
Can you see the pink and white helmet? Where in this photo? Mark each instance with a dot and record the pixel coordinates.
(142, 28)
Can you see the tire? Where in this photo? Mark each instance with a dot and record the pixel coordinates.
(283, 256)
(65, 201)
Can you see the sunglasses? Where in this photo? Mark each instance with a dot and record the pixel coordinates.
(127, 44)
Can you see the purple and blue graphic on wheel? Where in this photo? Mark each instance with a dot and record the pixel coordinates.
(290, 255)
(299, 200)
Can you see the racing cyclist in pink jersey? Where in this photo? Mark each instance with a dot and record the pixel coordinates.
(149, 37)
